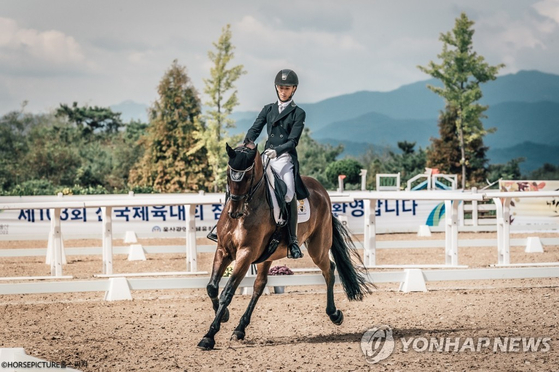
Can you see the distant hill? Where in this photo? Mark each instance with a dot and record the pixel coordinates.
(524, 107)
(380, 129)
(416, 101)
(130, 110)
(536, 154)
(356, 149)
(518, 122)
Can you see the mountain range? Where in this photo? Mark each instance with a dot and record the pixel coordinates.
(523, 108)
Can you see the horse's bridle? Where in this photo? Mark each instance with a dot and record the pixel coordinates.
(237, 176)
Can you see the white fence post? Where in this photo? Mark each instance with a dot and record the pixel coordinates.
(363, 174)
(503, 230)
(56, 245)
(107, 240)
(369, 233)
(191, 252)
(475, 215)
(451, 232)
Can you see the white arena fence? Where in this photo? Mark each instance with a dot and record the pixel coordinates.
(452, 199)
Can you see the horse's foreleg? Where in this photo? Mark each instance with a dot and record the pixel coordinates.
(221, 261)
(259, 285)
(239, 272)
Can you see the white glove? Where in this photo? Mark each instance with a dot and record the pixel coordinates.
(272, 154)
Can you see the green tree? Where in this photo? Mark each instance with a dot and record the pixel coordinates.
(444, 153)
(545, 172)
(91, 119)
(175, 158)
(315, 157)
(408, 163)
(349, 167)
(462, 71)
(374, 164)
(54, 153)
(13, 146)
(221, 105)
(508, 171)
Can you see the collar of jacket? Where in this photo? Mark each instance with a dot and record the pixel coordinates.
(284, 113)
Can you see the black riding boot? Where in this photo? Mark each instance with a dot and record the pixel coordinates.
(294, 251)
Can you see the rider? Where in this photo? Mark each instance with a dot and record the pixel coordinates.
(284, 122)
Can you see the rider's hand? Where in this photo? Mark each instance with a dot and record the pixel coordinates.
(272, 154)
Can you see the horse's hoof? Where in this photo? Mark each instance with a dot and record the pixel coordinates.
(225, 317)
(206, 343)
(237, 336)
(337, 318)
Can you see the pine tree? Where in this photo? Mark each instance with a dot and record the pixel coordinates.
(461, 72)
(175, 159)
(220, 107)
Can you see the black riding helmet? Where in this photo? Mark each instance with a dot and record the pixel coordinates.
(286, 77)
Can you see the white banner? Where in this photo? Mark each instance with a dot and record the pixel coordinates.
(169, 221)
(532, 211)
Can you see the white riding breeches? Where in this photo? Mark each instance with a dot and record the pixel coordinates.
(283, 166)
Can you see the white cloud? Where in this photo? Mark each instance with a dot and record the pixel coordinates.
(262, 37)
(27, 50)
(548, 8)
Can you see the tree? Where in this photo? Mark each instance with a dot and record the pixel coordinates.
(220, 106)
(444, 153)
(13, 146)
(409, 163)
(91, 119)
(315, 157)
(545, 172)
(175, 158)
(508, 171)
(374, 165)
(461, 72)
(351, 168)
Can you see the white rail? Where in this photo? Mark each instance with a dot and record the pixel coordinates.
(452, 199)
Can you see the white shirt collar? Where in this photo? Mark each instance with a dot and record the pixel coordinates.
(284, 104)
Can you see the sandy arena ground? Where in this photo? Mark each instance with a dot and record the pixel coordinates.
(159, 330)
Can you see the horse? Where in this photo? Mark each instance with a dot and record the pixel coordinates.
(245, 229)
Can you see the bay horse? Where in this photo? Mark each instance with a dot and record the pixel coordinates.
(244, 231)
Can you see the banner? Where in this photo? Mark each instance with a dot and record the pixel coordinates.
(169, 221)
(532, 211)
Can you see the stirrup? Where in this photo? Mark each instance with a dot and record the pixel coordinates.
(211, 235)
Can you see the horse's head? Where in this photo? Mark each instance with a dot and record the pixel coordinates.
(244, 172)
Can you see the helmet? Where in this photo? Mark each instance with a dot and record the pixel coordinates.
(287, 77)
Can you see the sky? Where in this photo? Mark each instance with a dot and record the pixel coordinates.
(104, 52)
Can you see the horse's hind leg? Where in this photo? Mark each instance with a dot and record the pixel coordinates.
(259, 285)
(316, 249)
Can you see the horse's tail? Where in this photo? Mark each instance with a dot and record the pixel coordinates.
(354, 282)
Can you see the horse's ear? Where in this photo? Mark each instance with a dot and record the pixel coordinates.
(230, 151)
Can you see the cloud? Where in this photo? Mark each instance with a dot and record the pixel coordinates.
(266, 40)
(502, 38)
(308, 15)
(548, 8)
(29, 51)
